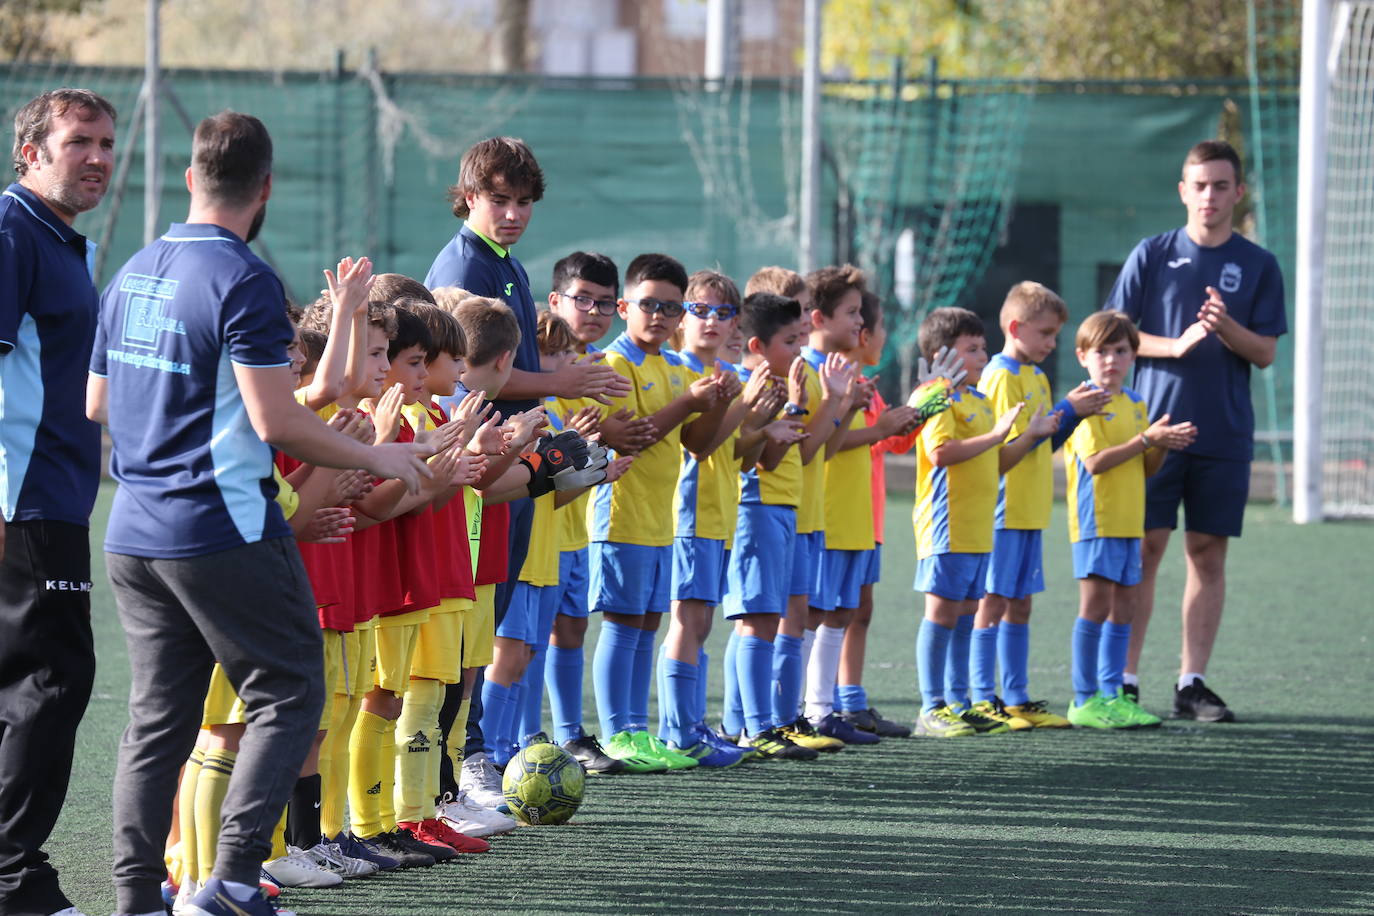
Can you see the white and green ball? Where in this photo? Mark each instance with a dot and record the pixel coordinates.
(543, 785)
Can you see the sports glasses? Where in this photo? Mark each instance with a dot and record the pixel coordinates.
(650, 306)
(704, 311)
(587, 304)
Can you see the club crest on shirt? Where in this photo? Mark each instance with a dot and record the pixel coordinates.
(1230, 278)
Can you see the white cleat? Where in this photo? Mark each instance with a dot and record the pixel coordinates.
(471, 819)
(298, 868)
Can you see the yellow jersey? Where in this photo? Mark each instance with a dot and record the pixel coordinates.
(541, 560)
(849, 496)
(1027, 490)
(954, 504)
(707, 500)
(811, 509)
(571, 519)
(1111, 504)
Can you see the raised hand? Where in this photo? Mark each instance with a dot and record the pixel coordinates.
(785, 431)
(441, 437)
(490, 437)
(386, 415)
(469, 470)
(403, 461)
(1043, 424)
(350, 286)
(946, 364)
(589, 377)
(796, 382)
(328, 526)
(836, 375)
(1006, 420)
(617, 468)
(897, 420)
(704, 392)
(1087, 399)
(587, 421)
(626, 433)
(759, 384)
(522, 427)
(728, 385)
(1192, 335)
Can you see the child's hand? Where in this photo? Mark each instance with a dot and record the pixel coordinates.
(1194, 334)
(785, 431)
(728, 385)
(759, 384)
(703, 392)
(946, 364)
(489, 438)
(328, 526)
(1006, 420)
(836, 375)
(1087, 399)
(441, 437)
(1042, 424)
(386, 415)
(469, 470)
(350, 486)
(796, 383)
(897, 421)
(766, 407)
(617, 468)
(1163, 434)
(586, 421)
(352, 423)
(349, 288)
(626, 433)
(525, 425)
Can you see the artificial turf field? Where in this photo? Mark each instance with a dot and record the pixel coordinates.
(1270, 815)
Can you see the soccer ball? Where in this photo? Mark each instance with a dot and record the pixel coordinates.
(543, 784)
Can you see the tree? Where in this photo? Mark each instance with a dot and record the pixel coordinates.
(26, 28)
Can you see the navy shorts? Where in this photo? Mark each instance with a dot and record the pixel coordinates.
(1213, 492)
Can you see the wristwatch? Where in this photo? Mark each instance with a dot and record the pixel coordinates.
(792, 410)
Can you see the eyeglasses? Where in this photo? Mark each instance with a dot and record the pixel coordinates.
(650, 306)
(587, 304)
(703, 311)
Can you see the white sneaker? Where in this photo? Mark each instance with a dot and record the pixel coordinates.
(331, 858)
(189, 888)
(471, 819)
(480, 782)
(299, 868)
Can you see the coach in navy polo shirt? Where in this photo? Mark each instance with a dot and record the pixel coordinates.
(49, 473)
(1209, 305)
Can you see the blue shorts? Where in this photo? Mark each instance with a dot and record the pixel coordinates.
(1017, 569)
(806, 559)
(873, 566)
(839, 577)
(1117, 559)
(761, 560)
(698, 568)
(531, 612)
(1213, 492)
(572, 583)
(630, 578)
(956, 576)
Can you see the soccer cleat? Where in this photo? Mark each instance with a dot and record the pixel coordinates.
(593, 757)
(871, 721)
(331, 857)
(651, 747)
(713, 756)
(214, 899)
(355, 848)
(622, 748)
(435, 832)
(980, 723)
(1037, 713)
(726, 736)
(834, 726)
(439, 852)
(943, 722)
(994, 710)
(467, 817)
(536, 738)
(481, 782)
(1094, 714)
(1197, 702)
(1124, 709)
(773, 744)
(406, 854)
(183, 897)
(298, 868)
(803, 733)
(1132, 691)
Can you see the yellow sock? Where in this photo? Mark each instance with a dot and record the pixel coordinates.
(366, 772)
(183, 864)
(415, 749)
(211, 788)
(432, 773)
(457, 737)
(386, 801)
(334, 763)
(279, 838)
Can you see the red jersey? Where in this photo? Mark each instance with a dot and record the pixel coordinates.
(329, 568)
(493, 556)
(897, 444)
(452, 551)
(417, 556)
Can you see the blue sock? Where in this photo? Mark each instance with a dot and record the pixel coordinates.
(532, 698)
(1087, 636)
(677, 700)
(932, 645)
(1013, 654)
(1111, 656)
(851, 698)
(754, 668)
(661, 688)
(699, 709)
(498, 711)
(564, 679)
(732, 705)
(983, 664)
(641, 677)
(787, 676)
(612, 665)
(956, 663)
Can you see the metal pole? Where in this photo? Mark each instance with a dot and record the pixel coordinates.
(722, 41)
(152, 124)
(810, 204)
(1307, 340)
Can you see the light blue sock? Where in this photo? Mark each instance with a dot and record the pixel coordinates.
(498, 711)
(1013, 654)
(661, 687)
(732, 704)
(676, 700)
(983, 664)
(1087, 636)
(612, 665)
(754, 668)
(851, 698)
(1111, 656)
(532, 696)
(564, 680)
(932, 647)
(703, 668)
(787, 677)
(641, 677)
(956, 663)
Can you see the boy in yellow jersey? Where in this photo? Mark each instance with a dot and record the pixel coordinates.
(585, 287)
(631, 521)
(956, 494)
(1031, 318)
(1107, 460)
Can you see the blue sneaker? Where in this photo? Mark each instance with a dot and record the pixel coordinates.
(214, 900)
(708, 755)
(832, 726)
(356, 848)
(705, 733)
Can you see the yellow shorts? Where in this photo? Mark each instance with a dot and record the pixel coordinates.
(396, 637)
(439, 646)
(479, 628)
(222, 703)
(358, 662)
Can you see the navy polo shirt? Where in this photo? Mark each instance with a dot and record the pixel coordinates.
(469, 261)
(49, 451)
(174, 322)
(1161, 287)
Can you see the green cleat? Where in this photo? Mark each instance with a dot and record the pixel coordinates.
(622, 748)
(1125, 709)
(652, 748)
(943, 722)
(1094, 714)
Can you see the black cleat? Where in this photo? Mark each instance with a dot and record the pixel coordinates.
(1197, 702)
(593, 757)
(406, 854)
(872, 721)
